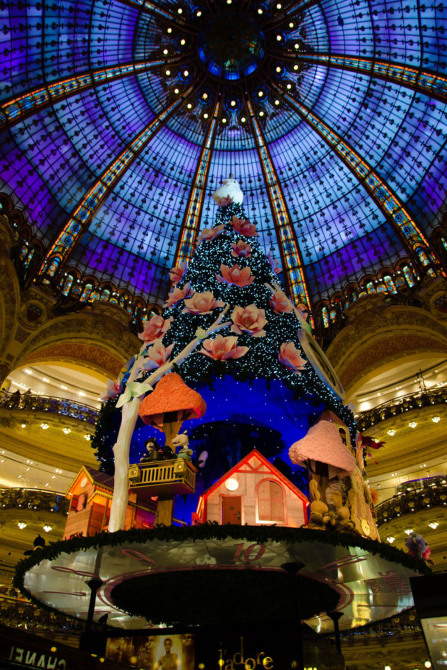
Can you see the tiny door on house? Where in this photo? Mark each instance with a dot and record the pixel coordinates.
(231, 510)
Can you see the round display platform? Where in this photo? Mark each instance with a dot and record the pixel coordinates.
(369, 579)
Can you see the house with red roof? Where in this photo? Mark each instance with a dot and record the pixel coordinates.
(253, 492)
(90, 497)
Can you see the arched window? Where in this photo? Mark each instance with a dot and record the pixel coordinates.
(422, 256)
(53, 267)
(86, 292)
(344, 436)
(325, 315)
(408, 274)
(67, 285)
(390, 284)
(270, 501)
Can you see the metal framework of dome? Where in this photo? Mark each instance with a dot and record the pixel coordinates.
(119, 118)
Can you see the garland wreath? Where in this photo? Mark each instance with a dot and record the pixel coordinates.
(209, 531)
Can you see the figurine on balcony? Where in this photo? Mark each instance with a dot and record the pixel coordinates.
(153, 452)
(181, 443)
(167, 453)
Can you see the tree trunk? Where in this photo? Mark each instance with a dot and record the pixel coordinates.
(121, 450)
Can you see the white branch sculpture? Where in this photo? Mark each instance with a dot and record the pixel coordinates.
(129, 418)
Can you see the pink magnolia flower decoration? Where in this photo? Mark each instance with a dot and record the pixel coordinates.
(177, 294)
(303, 309)
(241, 248)
(224, 202)
(235, 275)
(208, 234)
(155, 328)
(249, 320)
(177, 273)
(157, 355)
(243, 227)
(280, 303)
(113, 388)
(202, 303)
(221, 348)
(274, 264)
(289, 356)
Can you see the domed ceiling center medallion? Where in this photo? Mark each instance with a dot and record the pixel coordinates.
(231, 47)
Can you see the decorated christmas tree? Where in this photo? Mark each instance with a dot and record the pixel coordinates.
(232, 334)
(233, 360)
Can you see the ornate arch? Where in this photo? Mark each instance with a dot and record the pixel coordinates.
(379, 334)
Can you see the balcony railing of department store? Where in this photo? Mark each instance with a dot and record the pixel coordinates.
(412, 496)
(387, 410)
(43, 403)
(33, 499)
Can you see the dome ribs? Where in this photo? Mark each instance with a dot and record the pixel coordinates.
(36, 100)
(79, 221)
(422, 81)
(287, 241)
(194, 207)
(394, 210)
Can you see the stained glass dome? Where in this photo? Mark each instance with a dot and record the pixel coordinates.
(120, 118)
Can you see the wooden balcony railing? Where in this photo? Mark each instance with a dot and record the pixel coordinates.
(164, 478)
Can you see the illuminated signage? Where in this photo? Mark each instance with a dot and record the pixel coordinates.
(239, 661)
(36, 659)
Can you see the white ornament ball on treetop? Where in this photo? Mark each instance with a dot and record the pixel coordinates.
(229, 192)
